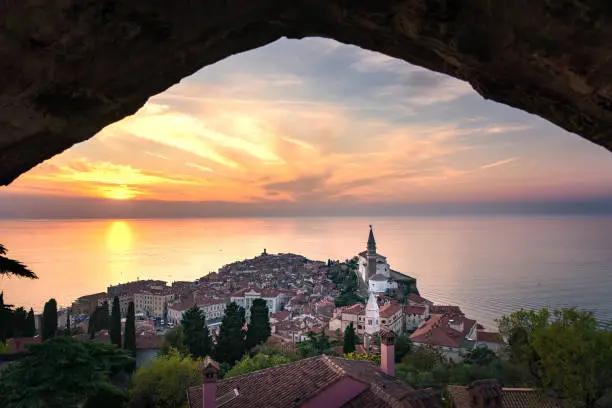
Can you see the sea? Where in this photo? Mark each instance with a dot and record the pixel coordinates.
(490, 266)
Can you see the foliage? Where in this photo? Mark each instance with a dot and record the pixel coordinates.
(349, 339)
(257, 362)
(10, 266)
(108, 395)
(403, 346)
(315, 345)
(115, 323)
(481, 356)
(4, 348)
(174, 339)
(102, 317)
(60, 372)
(344, 275)
(363, 356)
(5, 319)
(231, 342)
(67, 330)
(49, 320)
(162, 384)
(197, 337)
(259, 329)
(575, 358)
(30, 326)
(129, 337)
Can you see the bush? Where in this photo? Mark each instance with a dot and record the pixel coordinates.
(256, 363)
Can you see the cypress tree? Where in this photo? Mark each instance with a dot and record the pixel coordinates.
(49, 320)
(91, 327)
(115, 323)
(197, 336)
(129, 338)
(259, 327)
(18, 323)
(68, 323)
(30, 324)
(349, 339)
(102, 317)
(230, 345)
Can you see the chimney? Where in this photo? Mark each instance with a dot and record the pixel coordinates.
(210, 370)
(485, 394)
(387, 352)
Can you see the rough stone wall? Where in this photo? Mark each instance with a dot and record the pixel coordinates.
(70, 67)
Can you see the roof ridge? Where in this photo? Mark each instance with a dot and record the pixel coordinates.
(333, 365)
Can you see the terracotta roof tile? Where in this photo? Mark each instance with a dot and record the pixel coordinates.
(417, 310)
(436, 331)
(489, 337)
(290, 385)
(445, 309)
(390, 310)
(511, 398)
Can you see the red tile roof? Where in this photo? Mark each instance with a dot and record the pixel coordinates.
(290, 385)
(416, 310)
(441, 310)
(489, 337)
(511, 398)
(283, 314)
(413, 297)
(436, 331)
(389, 310)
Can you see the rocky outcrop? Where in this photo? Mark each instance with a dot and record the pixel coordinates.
(70, 67)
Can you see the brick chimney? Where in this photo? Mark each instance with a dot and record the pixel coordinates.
(486, 394)
(387, 352)
(210, 370)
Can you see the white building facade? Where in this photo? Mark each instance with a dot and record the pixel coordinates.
(246, 297)
(374, 269)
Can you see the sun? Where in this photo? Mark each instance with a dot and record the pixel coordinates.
(122, 192)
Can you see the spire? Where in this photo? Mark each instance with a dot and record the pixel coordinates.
(371, 241)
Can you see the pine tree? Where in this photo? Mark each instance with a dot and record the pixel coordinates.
(349, 339)
(115, 323)
(49, 320)
(197, 336)
(129, 338)
(259, 327)
(102, 317)
(230, 345)
(165, 316)
(30, 324)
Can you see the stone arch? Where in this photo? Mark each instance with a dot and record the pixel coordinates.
(70, 67)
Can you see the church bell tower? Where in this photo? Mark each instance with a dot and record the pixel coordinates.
(371, 256)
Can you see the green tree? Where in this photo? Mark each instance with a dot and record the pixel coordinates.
(115, 323)
(49, 320)
(162, 383)
(129, 339)
(197, 336)
(174, 339)
(61, 372)
(403, 346)
(575, 358)
(107, 396)
(481, 356)
(6, 313)
(91, 324)
(258, 362)
(67, 331)
(259, 329)
(18, 322)
(30, 324)
(349, 339)
(315, 345)
(102, 315)
(231, 342)
(12, 267)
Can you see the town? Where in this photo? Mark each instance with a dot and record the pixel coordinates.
(301, 297)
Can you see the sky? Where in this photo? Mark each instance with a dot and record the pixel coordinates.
(315, 126)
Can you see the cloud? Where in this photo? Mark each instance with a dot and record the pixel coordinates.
(499, 163)
(197, 166)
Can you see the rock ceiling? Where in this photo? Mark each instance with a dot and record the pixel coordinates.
(68, 68)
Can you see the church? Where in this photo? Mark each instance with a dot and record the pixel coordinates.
(376, 273)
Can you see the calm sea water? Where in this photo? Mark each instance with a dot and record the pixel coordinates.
(488, 266)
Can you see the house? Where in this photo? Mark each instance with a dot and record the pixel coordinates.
(321, 381)
(392, 317)
(87, 304)
(445, 310)
(414, 316)
(489, 394)
(491, 340)
(416, 300)
(453, 335)
(246, 297)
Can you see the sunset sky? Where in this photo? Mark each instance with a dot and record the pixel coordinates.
(314, 123)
